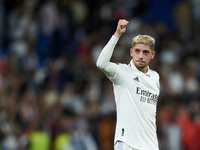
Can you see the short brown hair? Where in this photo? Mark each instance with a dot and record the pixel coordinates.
(144, 39)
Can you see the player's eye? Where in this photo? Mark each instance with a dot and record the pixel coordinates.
(146, 52)
(137, 50)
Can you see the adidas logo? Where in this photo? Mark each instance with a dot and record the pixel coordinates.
(136, 79)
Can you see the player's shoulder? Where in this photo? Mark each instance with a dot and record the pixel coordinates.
(154, 74)
(122, 66)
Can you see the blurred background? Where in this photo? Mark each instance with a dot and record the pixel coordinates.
(52, 96)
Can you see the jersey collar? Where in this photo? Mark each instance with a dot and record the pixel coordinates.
(140, 72)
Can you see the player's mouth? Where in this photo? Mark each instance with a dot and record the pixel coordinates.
(140, 61)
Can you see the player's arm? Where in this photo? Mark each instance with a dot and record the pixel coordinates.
(103, 62)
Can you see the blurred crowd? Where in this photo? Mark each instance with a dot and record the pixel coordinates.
(52, 96)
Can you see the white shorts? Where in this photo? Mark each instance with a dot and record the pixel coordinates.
(119, 145)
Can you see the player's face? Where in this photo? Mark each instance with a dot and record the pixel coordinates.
(142, 54)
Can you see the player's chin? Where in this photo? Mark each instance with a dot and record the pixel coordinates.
(141, 64)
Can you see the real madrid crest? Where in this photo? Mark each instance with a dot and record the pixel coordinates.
(157, 85)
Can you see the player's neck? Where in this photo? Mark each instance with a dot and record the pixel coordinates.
(144, 70)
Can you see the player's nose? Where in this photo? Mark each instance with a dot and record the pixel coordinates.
(141, 55)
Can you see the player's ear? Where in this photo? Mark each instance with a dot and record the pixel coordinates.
(153, 54)
(131, 52)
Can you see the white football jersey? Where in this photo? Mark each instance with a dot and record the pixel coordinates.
(136, 95)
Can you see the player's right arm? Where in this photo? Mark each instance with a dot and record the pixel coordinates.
(103, 62)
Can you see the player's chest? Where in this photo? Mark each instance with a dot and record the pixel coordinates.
(142, 81)
(143, 89)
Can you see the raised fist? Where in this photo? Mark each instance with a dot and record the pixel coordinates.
(121, 27)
